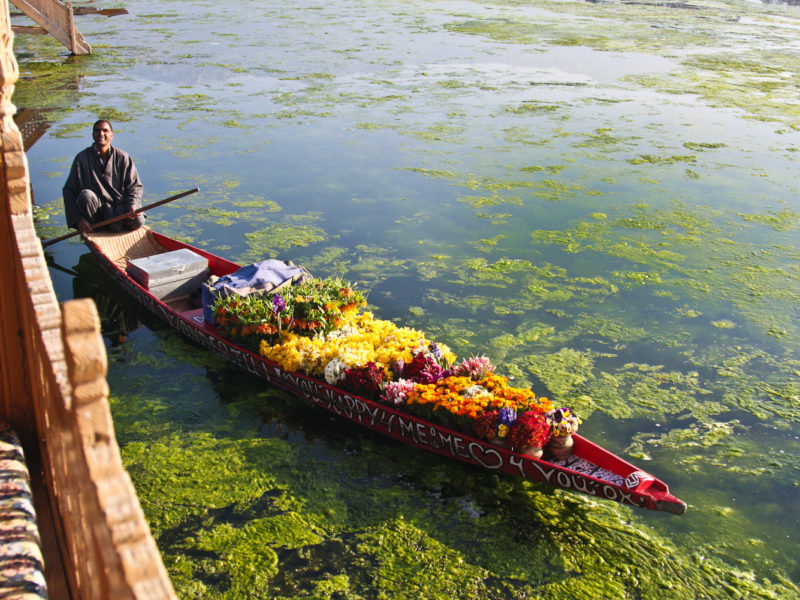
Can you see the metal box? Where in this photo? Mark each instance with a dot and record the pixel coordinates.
(170, 275)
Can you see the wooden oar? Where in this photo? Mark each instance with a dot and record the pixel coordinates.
(121, 217)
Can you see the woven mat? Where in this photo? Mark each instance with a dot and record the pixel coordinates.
(122, 247)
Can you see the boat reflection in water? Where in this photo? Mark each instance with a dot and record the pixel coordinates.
(119, 314)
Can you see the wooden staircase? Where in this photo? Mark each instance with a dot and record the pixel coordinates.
(55, 18)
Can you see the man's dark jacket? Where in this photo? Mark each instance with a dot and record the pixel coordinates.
(116, 183)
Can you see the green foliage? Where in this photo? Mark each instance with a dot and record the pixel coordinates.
(313, 307)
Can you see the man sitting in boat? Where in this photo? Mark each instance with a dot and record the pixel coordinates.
(103, 183)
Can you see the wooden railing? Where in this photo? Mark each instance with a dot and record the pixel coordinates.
(56, 18)
(95, 539)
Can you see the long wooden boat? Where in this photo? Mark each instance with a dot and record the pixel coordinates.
(590, 469)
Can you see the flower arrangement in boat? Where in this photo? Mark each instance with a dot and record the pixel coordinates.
(495, 425)
(316, 306)
(428, 364)
(360, 339)
(563, 422)
(317, 328)
(365, 381)
(474, 367)
(396, 392)
(530, 430)
(465, 397)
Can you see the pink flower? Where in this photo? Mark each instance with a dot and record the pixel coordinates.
(476, 367)
(396, 392)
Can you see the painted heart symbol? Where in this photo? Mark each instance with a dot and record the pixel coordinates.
(481, 455)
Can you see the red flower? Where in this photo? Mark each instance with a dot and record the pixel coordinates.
(485, 425)
(365, 380)
(530, 430)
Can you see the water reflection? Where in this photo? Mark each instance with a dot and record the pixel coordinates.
(32, 124)
(119, 314)
(682, 5)
(105, 12)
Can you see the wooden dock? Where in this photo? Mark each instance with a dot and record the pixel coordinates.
(55, 18)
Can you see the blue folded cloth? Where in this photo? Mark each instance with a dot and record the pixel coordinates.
(263, 276)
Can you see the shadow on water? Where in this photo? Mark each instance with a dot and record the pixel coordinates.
(119, 314)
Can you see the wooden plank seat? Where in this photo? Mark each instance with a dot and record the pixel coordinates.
(21, 564)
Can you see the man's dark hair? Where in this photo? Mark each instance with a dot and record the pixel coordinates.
(106, 121)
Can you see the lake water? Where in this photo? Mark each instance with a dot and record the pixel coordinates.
(600, 196)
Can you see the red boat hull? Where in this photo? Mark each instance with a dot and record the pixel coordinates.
(591, 470)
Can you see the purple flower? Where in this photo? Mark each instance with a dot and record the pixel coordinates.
(563, 421)
(559, 414)
(278, 303)
(506, 416)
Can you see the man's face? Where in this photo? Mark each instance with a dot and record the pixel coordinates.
(102, 135)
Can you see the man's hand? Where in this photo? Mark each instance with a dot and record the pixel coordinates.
(132, 213)
(84, 226)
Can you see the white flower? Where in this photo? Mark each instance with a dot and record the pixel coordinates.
(343, 332)
(334, 371)
(473, 391)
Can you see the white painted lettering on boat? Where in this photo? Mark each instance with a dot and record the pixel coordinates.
(328, 398)
(336, 406)
(422, 434)
(516, 461)
(486, 457)
(406, 428)
(458, 448)
(575, 481)
(439, 440)
(250, 362)
(613, 493)
(564, 480)
(348, 405)
(546, 473)
(387, 422)
(264, 370)
(373, 414)
(359, 409)
(184, 328)
(306, 387)
(584, 485)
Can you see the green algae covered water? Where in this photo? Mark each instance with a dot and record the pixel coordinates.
(600, 196)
